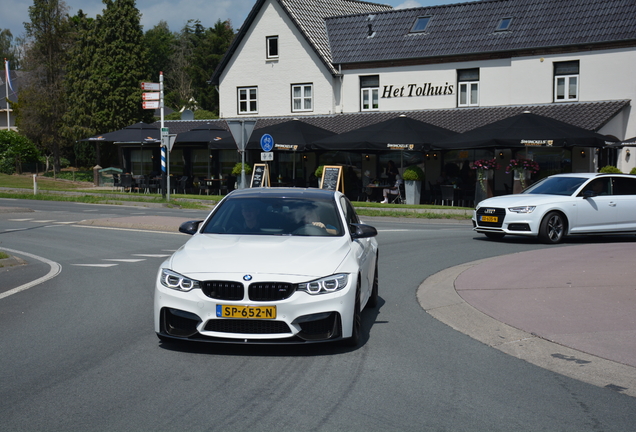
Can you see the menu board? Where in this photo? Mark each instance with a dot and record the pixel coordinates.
(331, 178)
(260, 176)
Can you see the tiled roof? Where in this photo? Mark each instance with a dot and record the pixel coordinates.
(587, 115)
(469, 28)
(309, 16)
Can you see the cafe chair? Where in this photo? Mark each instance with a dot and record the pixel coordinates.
(436, 193)
(399, 198)
(448, 194)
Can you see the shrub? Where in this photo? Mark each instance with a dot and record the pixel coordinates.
(15, 149)
(238, 168)
(609, 169)
(414, 173)
(633, 171)
(318, 172)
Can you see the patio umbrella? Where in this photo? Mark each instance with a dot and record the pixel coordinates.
(136, 133)
(292, 135)
(524, 130)
(399, 133)
(214, 136)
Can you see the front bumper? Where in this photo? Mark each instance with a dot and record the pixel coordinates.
(507, 222)
(302, 318)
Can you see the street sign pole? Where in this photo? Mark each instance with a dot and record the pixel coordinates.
(241, 131)
(165, 155)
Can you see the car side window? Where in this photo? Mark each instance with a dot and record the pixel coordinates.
(599, 186)
(624, 186)
(349, 212)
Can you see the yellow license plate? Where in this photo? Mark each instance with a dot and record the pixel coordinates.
(255, 312)
(490, 219)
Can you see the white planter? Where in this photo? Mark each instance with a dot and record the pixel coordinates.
(413, 191)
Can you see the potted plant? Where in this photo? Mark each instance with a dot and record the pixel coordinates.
(522, 169)
(485, 169)
(413, 177)
(236, 171)
(610, 169)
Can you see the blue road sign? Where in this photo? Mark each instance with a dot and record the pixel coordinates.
(267, 142)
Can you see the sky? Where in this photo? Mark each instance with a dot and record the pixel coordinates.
(14, 13)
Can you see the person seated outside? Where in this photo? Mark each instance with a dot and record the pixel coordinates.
(394, 190)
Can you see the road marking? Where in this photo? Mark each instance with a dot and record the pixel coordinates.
(94, 265)
(20, 220)
(129, 229)
(128, 260)
(152, 255)
(54, 271)
(43, 221)
(67, 223)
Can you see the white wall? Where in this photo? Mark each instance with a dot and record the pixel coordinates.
(297, 64)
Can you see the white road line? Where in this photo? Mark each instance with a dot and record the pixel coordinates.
(152, 255)
(94, 265)
(54, 271)
(20, 220)
(67, 223)
(43, 221)
(129, 229)
(128, 260)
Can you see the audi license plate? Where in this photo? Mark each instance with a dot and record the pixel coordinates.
(256, 312)
(489, 219)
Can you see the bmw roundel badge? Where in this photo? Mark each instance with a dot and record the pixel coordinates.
(247, 277)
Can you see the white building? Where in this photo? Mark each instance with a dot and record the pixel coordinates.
(342, 64)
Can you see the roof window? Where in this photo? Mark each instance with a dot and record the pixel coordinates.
(504, 24)
(420, 24)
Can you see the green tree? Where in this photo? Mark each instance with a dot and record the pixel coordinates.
(209, 46)
(160, 42)
(7, 49)
(15, 149)
(120, 64)
(41, 103)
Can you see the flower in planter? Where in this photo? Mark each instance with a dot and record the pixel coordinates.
(483, 165)
(522, 166)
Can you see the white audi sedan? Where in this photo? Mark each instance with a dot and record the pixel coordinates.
(561, 205)
(270, 265)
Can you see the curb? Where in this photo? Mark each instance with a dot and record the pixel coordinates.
(438, 297)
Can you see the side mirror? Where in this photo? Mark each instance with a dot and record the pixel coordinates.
(589, 194)
(190, 227)
(362, 231)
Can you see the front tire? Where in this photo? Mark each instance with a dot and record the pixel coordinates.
(373, 299)
(552, 229)
(354, 340)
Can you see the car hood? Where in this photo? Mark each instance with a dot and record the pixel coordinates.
(515, 200)
(290, 255)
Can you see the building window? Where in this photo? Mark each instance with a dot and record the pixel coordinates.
(272, 47)
(369, 92)
(420, 24)
(504, 24)
(247, 100)
(468, 85)
(302, 97)
(566, 81)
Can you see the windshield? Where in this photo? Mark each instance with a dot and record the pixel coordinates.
(565, 186)
(275, 216)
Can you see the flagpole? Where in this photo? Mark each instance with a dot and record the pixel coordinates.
(6, 86)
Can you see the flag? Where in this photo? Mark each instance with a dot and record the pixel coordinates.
(7, 74)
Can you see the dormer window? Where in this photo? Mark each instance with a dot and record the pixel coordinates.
(504, 24)
(420, 24)
(272, 47)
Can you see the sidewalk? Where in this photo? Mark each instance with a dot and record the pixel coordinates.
(568, 309)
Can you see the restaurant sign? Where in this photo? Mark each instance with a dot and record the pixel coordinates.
(413, 90)
(538, 143)
(400, 146)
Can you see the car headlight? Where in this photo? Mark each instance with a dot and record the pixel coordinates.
(522, 209)
(325, 285)
(177, 282)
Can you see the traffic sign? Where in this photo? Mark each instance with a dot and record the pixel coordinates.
(150, 104)
(150, 96)
(267, 156)
(150, 86)
(267, 142)
(164, 131)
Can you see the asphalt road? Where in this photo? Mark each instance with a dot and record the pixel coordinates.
(78, 351)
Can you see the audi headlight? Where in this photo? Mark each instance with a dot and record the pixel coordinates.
(177, 282)
(325, 285)
(522, 209)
